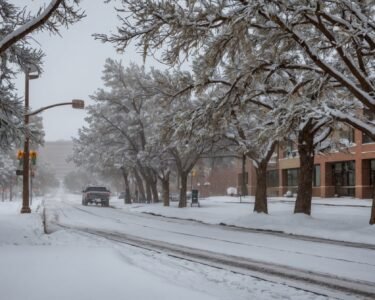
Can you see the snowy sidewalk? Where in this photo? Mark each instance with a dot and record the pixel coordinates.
(65, 265)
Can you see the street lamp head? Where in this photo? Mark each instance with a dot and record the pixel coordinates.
(32, 72)
(78, 104)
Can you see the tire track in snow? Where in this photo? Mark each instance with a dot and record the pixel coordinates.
(241, 229)
(286, 236)
(317, 283)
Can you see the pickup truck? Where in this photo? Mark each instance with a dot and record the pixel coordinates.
(96, 194)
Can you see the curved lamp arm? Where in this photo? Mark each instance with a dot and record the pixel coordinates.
(76, 103)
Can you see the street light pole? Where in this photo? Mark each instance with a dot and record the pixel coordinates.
(26, 159)
(76, 103)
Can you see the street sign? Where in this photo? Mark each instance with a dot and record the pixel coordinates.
(19, 172)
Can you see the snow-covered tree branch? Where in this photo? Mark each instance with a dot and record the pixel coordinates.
(17, 53)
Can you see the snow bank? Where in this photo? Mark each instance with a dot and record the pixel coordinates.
(339, 219)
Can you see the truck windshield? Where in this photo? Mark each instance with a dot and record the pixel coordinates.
(96, 188)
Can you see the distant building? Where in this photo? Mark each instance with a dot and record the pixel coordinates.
(213, 176)
(55, 154)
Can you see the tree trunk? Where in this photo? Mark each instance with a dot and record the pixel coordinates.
(183, 178)
(127, 198)
(165, 187)
(148, 191)
(372, 218)
(260, 205)
(147, 177)
(178, 180)
(11, 191)
(154, 190)
(152, 181)
(140, 188)
(244, 191)
(306, 154)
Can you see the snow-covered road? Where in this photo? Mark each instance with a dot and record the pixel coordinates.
(352, 263)
(72, 264)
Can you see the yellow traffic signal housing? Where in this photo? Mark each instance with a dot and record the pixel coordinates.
(20, 154)
(33, 156)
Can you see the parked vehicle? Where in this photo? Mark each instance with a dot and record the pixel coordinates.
(96, 195)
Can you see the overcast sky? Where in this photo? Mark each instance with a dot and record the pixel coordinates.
(72, 67)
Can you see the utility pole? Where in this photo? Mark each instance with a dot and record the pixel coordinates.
(75, 103)
(26, 158)
(31, 184)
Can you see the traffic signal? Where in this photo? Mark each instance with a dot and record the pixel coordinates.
(33, 156)
(20, 156)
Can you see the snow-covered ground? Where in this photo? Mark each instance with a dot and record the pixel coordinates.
(343, 219)
(69, 264)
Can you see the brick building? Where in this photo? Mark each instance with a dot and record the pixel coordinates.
(349, 173)
(213, 177)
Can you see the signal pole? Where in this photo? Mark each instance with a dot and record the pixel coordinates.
(75, 103)
(26, 159)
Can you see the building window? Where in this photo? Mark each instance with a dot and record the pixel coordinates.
(292, 177)
(344, 178)
(273, 178)
(371, 117)
(366, 139)
(345, 172)
(290, 150)
(316, 175)
(347, 135)
(372, 171)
